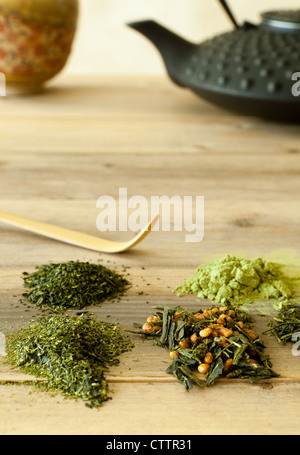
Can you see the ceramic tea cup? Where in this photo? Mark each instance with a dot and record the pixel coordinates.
(36, 39)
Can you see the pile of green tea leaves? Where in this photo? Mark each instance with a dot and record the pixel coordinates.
(286, 323)
(72, 353)
(73, 284)
(219, 342)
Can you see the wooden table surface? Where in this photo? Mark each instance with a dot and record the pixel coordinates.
(86, 137)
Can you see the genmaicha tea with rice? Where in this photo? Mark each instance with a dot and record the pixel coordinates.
(218, 342)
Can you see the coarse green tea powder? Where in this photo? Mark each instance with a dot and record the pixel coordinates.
(72, 353)
(236, 281)
(73, 284)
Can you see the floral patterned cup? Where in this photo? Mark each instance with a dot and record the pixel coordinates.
(36, 39)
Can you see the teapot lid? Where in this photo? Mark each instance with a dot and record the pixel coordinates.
(286, 19)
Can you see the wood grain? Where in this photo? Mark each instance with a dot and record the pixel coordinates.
(87, 137)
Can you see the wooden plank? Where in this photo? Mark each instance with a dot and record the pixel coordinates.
(147, 360)
(142, 116)
(63, 149)
(156, 409)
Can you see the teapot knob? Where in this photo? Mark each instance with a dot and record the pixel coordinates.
(287, 20)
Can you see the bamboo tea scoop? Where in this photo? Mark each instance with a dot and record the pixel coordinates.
(76, 238)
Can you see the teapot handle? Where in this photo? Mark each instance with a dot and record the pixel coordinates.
(229, 13)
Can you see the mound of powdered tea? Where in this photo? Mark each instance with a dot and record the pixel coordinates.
(73, 284)
(236, 281)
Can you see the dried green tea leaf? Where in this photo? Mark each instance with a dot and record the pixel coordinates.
(286, 323)
(73, 284)
(72, 353)
(215, 371)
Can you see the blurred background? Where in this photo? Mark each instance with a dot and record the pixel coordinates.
(104, 44)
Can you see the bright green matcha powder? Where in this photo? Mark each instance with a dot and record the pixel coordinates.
(231, 280)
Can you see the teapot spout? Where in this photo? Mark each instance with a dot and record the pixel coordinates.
(172, 47)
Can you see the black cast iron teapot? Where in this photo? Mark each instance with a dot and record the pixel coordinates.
(253, 69)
